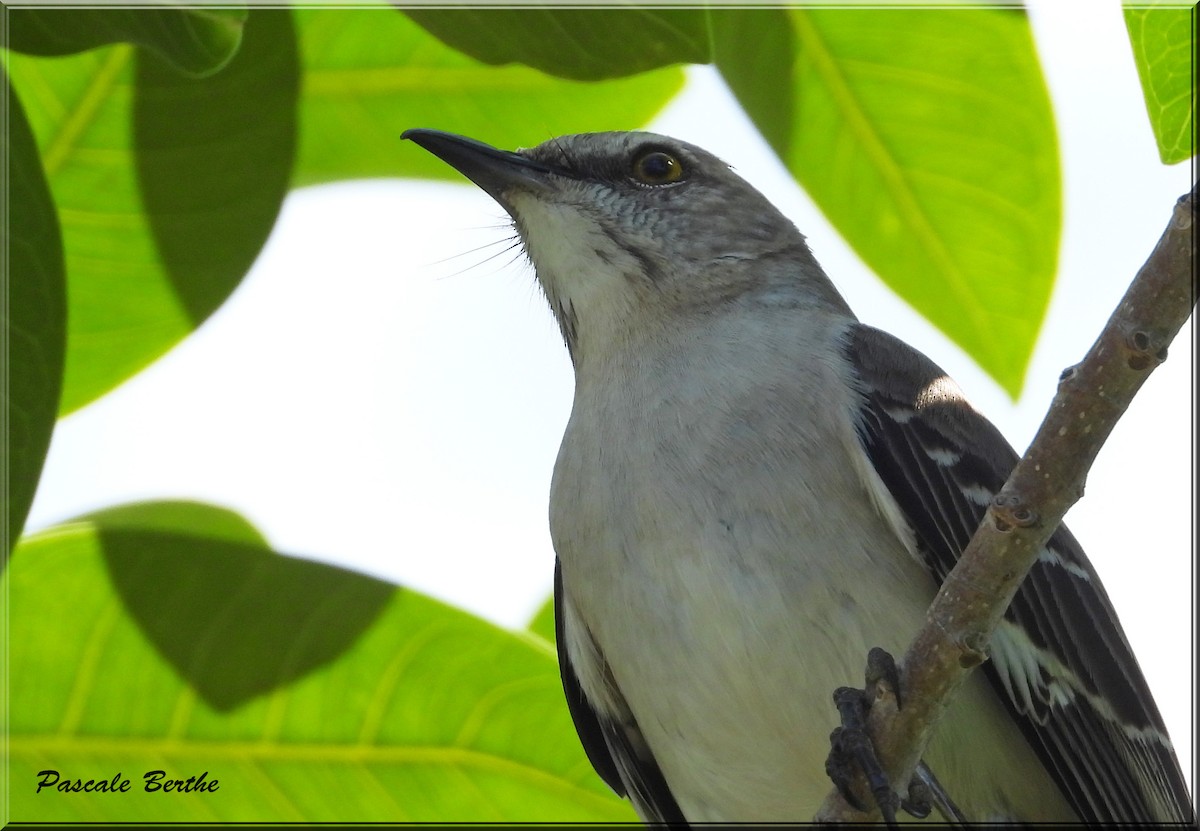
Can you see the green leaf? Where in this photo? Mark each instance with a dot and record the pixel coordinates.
(214, 159)
(372, 73)
(34, 315)
(164, 637)
(582, 44)
(210, 169)
(121, 311)
(542, 624)
(195, 519)
(927, 138)
(759, 77)
(196, 41)
(1164, 50)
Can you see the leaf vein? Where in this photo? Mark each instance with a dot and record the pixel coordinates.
(826, 65)
(81, 116)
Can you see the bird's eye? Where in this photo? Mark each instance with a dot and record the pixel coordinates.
(657, 168)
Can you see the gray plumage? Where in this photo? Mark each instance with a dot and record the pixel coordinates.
(754, 489)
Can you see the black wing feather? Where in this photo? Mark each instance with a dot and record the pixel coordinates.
(614, 745)
(941, 461)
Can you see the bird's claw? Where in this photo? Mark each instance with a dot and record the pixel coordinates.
(852, 751)
(881, 669)
(918, 803)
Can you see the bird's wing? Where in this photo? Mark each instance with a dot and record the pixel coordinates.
(610, 735)
(1059, 660)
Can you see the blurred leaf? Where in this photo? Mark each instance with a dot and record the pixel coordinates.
(308, 693)
(195, 519)
(927, 138)
(372, 73)
(198, 41)
(761, 77)
(214, 159)
(582, 44)
(121, 311)
(126, 307)
(228, 614)
(542, 624)
(34, 314)
(1164, 50)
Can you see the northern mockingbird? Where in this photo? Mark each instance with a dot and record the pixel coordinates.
(754, 489)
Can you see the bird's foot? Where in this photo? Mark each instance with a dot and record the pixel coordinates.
(851, 749)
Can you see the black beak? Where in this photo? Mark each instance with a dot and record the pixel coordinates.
(495, 171)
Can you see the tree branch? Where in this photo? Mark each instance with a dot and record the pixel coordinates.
(1091, 397)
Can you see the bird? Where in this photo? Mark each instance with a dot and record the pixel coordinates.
(754, 489)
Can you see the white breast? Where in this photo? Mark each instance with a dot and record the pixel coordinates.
(725, 554)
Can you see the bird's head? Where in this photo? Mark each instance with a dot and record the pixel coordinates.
(626, 230)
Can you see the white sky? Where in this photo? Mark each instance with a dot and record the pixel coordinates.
(377, 395)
